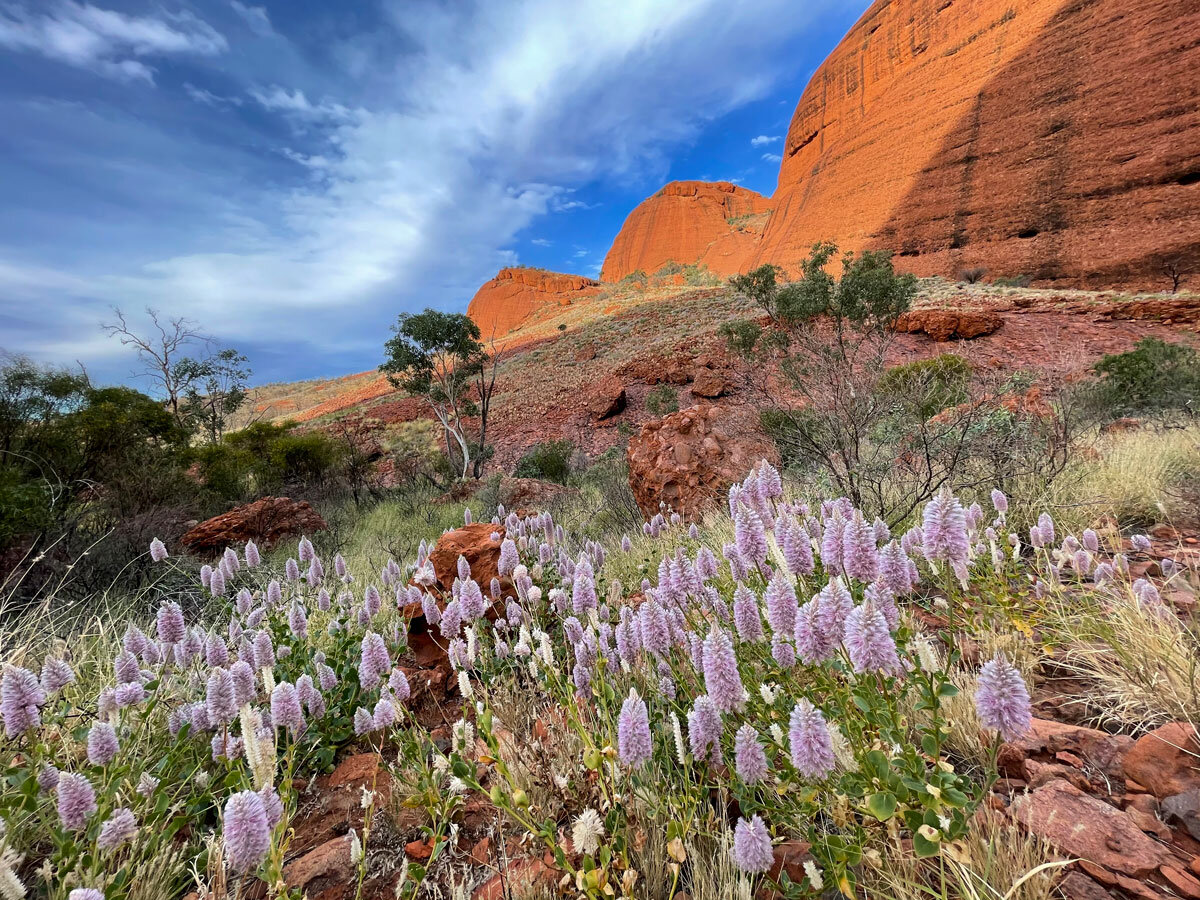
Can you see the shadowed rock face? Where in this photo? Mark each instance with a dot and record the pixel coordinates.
(714, 224)
(1058, 139)
(503, 303)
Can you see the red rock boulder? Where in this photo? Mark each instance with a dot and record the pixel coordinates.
(710, 384)
(1166, 761)
(948, 324)
(266, 522)
(689, 458)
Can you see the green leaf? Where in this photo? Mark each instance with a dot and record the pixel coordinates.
(882, 806)
(924, 847)
(929, 744)
(947, 690)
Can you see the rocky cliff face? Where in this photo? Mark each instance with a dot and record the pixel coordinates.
(716, 224)
(515, 294)
(1059, 140)
(1056, 139)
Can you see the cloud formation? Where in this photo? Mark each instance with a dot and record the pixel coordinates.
(763, 140)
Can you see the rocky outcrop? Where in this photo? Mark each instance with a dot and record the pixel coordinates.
(1056, 140)
(515, 294)
(947, 324)
(688, 458)
(266, 522)
(716, 225)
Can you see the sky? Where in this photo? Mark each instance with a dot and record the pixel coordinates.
(292, 175)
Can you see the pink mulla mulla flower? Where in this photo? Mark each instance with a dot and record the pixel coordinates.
(1045, 526)
(704, 730)
(450, 622)
(780, 601)
(323, 601)
(999, 501)
(912, 540)
(326, 677)
(102, 744)
(494, 589)
(1091, 541)
(285, 708)
(374, 662)
(750, 760)
(1081, 562)
(232, 562)
(722, 681)
(833, 605)
(464, 568)
(831, 545)
(158, 550)
(304, 550)
(944, 530)
(86, 894)
(274, 593)
(253, 557)
(894, 570)
(626, 544)
(316, 571)
(384, 715)
(21, 700)
(206, 575)
(298, 621)
(695, 650)
(583, 591)
(860, 558)
(654, 629)
(626, 636)
(1140, 543)
(134, 640)
(634, 743)
(291, 570)
(220, 697)
(883, 534)
(706, 564)
(812, 646)
(118, 829)
(783, 652)
(796, 545)
(372, 601)
(216, 651)
(247, 833)
(56, 675)
(770, 485)
(869, 642)
(879, 595)
(126, 695)
(429, 609)
(272, 805)
(750, 536)
(737, 566)
(398, 682)
(746, 618)
(1002, 699)
(76, 801)
(169, 623)
(509, 558)
(810, 742)
(471, 601)
(264, 651)
(751, 851)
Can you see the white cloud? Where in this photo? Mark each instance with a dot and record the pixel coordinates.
(208, 98)
(541, 242)
(763, 139)
(580, 254)
(103, 40)
(255, 17)
(772, 157)
(280, 99)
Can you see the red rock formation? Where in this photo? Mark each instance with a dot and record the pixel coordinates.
(1058, 139)
(264, 521)
(503, 303)
(689, 222)
(944, 324)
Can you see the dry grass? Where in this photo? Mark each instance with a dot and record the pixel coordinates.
(995, 861)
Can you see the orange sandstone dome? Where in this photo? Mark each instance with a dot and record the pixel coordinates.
(503, 303)
(714, 224)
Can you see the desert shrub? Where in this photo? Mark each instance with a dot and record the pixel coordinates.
(634, 276)
(698, 275)
(972, 275)
(550, 460)
(662, 400)
(670, 267)
(1013, 281)
(1155, 377)
(932, 384)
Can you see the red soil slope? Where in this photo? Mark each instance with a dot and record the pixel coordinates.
(503, 303)
(689, 222)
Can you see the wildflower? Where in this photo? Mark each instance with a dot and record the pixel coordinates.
(298, 621)
(118, 829)
(896, 571)
(780, 599)
(587, 832)
(859, 556)
(220, 697)
(750, 536)
(750, 760)
(247, 834)
(47, 778)
(831, 545)
(811, 644)
(833, 606)
(751, 851)
(811, 746)
(1091, 540)
(1002, 700)
(944, 530)
(170, 623)
(285, 708)
(398, 682)
(746, 618)
(384, 715)
(634, 744)
(796, 545)
(272, 805)
(127, 695)
(102, 744)
(783, 652)
(869, 642)
(85, 894)
(147, 784)
(655, 632)
(704, 730)
(722, 681)
(264, 651)
(21, 700)
(56, 674)
(374, 662)
(1045, 526)
(76, 801)
(216, 583)
(583, 589)
(471, 602)
(815, 879)
(999, 501)
(364, 722)
(11, 887)
(158, 550)
(1140, 543)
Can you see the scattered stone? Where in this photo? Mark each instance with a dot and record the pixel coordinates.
(608, 399)
(1077, 886)
(321, 868)
(945, 324)
(1181, 882)
(520, 877)
(710, 384)
(1081, 826)
(1166, 760)
(266, 522)
(1184, 810)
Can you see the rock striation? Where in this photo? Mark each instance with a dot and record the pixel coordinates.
(716, 225)
(515, 294)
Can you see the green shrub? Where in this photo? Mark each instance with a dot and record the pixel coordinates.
(929, 385)
(662, 400)
(1013, 281)
(550, 460)
(1154, 377)
(670, 267)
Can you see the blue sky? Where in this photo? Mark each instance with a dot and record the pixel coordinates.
(293, 174)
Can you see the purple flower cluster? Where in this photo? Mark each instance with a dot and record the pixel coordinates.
(1002, 699)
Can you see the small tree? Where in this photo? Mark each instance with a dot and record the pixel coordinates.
(438, 356)
(216, 390)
